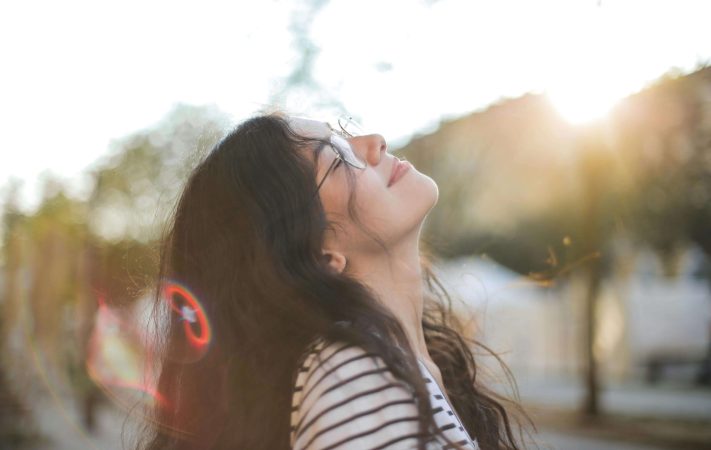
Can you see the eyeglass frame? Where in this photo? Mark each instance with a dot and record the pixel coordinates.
(343, 134)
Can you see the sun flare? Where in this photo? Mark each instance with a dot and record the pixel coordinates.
(589, 90)
(582, 105)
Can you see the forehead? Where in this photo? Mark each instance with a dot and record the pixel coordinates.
(309, 127)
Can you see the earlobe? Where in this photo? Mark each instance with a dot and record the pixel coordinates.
(335, 260)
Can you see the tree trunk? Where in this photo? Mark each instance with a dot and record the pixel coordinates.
(591, 404)
(593, 164)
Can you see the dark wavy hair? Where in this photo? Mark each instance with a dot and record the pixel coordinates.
(246, 238)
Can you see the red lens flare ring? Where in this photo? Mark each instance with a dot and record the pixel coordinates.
(191, 312)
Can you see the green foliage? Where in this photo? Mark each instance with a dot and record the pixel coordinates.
(137, 186)
(60, 258)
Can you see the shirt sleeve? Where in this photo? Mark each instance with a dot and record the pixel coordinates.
(346, 398)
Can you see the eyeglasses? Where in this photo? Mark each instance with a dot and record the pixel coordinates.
(342, 148)
(349, 126)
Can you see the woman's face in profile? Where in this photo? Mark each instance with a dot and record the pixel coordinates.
(395, 212)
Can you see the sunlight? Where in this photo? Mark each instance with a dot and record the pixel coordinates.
(579, 104)
(583, 82)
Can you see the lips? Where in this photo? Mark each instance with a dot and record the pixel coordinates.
(397, 167)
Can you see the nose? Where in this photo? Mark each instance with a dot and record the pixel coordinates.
(370, 147)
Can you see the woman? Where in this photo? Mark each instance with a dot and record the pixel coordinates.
(300, 243)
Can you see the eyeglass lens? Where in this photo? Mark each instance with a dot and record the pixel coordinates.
(342, 146)
(350, 126)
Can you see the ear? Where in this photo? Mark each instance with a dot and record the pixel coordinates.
(335, 260)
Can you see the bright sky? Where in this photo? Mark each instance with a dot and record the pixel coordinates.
(79, 74)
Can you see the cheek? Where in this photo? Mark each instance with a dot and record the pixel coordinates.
(377, 205)
(372, 200)
(334, 197)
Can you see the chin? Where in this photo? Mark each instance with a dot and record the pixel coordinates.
(426, 195)
(432, 191)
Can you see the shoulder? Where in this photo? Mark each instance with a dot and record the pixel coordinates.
(347, 397)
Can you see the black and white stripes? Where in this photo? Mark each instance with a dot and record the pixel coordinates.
(345, 398)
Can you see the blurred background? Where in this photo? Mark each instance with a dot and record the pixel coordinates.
(570, 140)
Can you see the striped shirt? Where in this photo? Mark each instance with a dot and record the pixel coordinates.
(348, 399)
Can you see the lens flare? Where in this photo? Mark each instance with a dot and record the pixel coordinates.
(119, 361)
(191, 313)
(122, 347)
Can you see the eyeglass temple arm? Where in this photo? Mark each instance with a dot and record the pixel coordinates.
(333, 164)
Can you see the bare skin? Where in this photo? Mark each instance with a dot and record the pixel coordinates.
(396, 213)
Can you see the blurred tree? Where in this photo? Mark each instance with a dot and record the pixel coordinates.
(16, 427)
(592, 170)
(136, 186)
(301, 82)
(543, 197)
(668, 127)
(135, 189)
(61, 258)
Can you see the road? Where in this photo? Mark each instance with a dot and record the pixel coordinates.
(61, 426)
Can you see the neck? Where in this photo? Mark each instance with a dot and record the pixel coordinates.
(397, 280)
